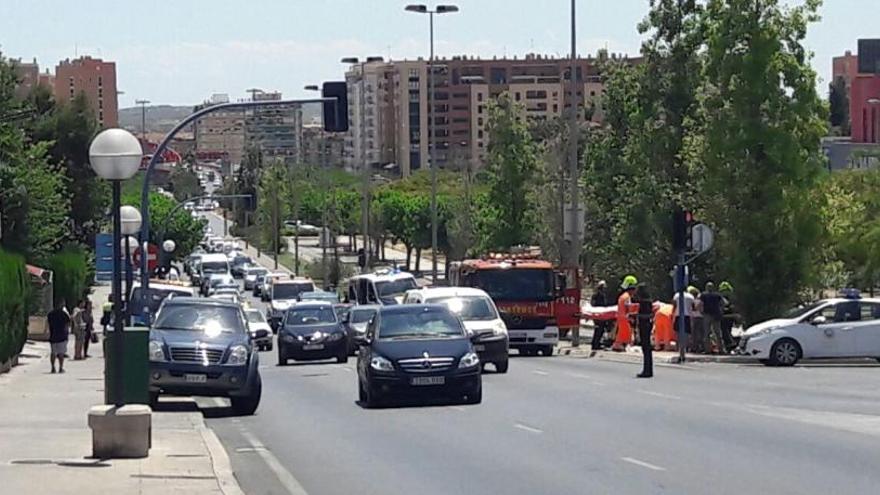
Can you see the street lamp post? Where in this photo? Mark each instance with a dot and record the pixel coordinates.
(365, 168)
(168, 248)
(440, 9)
(324, 231)
(574, 243)
(131, 225)
(115, 155)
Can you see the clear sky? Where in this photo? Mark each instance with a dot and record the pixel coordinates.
(182, 51)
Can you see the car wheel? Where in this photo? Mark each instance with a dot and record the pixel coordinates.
(547, 350)
(474, 398)
(343, 358)
(269, 347)
(247, 406)
(501, 366)
(154, 399)
(371, 398)
(785, 352)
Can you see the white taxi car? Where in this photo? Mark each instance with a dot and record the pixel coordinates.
(831, 328)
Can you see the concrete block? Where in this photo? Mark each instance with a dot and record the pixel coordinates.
(121, 433)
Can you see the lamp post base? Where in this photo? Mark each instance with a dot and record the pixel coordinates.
(121, 432)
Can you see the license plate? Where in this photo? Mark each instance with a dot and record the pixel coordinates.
(479, 348)
(428, 380)
(196, 378)
(313, 347)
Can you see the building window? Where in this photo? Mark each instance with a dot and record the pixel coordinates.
(480, 121)
(518, 96)
(555, 108)
(480, 109)
(100, 92)
(101, 116)
(413, 85)
(479, 96)
(101, 103)
(100, 81)
(592, 93)
(414, 73)
(414, 96)
(480, 134)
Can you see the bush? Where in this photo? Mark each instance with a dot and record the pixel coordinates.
(14, 293)
(71, 269)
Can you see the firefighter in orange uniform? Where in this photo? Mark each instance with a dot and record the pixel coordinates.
(663, 334)
(624, 308)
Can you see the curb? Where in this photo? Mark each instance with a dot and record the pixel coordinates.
(636, 357)
(220, 462)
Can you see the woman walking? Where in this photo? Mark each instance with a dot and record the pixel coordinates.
(89, 320)
(79, 330)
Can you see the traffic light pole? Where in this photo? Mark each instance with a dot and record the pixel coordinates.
(680, 275)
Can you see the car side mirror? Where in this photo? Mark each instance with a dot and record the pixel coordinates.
(260, 334)
(819, 320)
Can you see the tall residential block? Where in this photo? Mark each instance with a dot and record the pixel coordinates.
(389, 108)
(219, 135)
(96, 79)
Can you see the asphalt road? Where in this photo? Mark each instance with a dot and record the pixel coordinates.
(565, 425)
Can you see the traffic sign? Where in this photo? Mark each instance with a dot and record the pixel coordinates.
(152, 257)
(702, 238)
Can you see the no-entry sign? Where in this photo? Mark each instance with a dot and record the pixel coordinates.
(152, 256)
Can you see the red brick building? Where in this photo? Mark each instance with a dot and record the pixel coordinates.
(94, 77)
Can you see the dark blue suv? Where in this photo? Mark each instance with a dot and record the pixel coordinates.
(202, 347)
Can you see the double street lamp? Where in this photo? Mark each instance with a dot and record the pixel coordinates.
(115, 155)
(131, 224)
(440, 9)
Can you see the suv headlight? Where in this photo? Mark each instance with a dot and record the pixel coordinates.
(469, 360)
(156, 351)
(238, 355)
(500, 328)
(379, 363)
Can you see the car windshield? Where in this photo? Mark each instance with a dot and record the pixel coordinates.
(290, 291)
(155, 299)
(255, 316)
(801, 311)
(361, 315)
(515, 284)
(220, 281)
(207, 318)
(420, 323)
(391, 288)
(469, 308)
(256, 272)
(310, 316)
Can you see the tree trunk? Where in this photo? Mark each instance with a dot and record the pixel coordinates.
(418, 259)
(408, 256)
(383, 250)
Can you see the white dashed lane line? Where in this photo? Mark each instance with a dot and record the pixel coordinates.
(646, 465)
(540, 372)
(528, 428)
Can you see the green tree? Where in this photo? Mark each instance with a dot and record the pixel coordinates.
(760, 148)
(185, 230)
(185, 184)
(838, 102)
(512, 162)
(70, 129)
(273, 205)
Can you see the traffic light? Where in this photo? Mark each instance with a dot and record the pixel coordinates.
(682, 221)
(335, 112)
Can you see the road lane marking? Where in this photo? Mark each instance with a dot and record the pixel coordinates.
(643, 464)
(458, 408)
(528, 428)
(287, 480)
(586, 377)
(659, 394)
(540, 372)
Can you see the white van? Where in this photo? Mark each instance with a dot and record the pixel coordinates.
(383, 287)
(480, 316)
(213, 264)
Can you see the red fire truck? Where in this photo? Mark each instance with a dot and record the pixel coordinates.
(537, 301)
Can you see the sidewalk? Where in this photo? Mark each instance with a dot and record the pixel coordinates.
(46, 442)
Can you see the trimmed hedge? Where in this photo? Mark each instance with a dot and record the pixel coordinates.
(14, 294)
(71, 272)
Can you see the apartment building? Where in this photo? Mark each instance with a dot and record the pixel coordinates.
(393, 129)
(219, 135)
(96, 79)
(275, 130)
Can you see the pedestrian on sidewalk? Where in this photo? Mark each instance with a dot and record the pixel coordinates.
(106, 313)
(89, 319)
(729, 316)
(698, 329)
(711, 301)
(688, 309)
(645, 322)
(59, 327)
(624, 309)
(599, 299)
(78, 326)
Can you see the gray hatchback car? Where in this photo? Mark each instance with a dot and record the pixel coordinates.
(202, 347)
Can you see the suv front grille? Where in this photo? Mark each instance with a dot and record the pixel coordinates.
(192, 355)
(516, 322)
(425, 365)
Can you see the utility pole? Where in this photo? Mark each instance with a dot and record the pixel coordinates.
(574, 240)
(143, 104)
